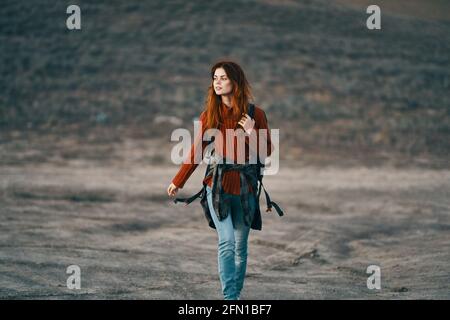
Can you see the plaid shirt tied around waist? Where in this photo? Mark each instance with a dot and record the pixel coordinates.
(248, 173)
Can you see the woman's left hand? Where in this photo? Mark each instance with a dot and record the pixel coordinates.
(247, 123)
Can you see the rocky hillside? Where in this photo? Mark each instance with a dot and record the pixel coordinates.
(320, 74)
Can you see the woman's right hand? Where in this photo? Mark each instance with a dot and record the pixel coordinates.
(172, 190)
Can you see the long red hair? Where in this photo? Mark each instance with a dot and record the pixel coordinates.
(240, 95)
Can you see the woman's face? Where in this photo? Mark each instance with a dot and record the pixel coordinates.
(221, 83)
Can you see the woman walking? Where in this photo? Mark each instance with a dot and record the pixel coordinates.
(232, 207)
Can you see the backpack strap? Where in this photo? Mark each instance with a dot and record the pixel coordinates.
(270, 203)
(251, 110)
(197, 195)
(190, 199)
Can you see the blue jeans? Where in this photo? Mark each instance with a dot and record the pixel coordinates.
(232, 245)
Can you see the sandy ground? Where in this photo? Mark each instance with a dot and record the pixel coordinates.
(82, 121)
(132, 242)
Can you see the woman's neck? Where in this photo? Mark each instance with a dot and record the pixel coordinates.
(226, 100)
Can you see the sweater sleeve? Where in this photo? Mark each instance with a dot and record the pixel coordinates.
(261, 123)
(189, 164)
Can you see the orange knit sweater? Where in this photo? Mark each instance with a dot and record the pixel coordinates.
(230, 181)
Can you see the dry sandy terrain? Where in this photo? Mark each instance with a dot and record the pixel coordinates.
(86, 116)
(116, 222)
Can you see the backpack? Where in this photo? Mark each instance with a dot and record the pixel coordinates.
(260, 166)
